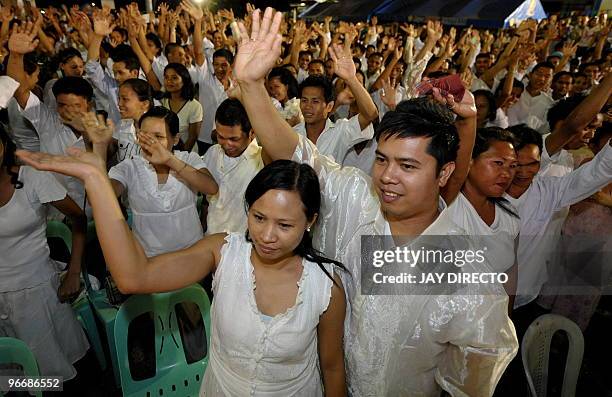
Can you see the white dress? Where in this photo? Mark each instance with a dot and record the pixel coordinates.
(165, 216)
(29, 307)
(252, 356)
(499, 238)
(405, 344)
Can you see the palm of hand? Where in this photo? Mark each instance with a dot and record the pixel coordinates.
(102, 27)
(78, 163)
(158, 155)
(254, 60)
(21, 43)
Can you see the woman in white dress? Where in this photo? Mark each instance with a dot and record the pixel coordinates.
(135, 99)
(30, 289)
(480, 208)
(278, 312)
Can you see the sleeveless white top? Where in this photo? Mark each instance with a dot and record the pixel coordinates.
(253, 357)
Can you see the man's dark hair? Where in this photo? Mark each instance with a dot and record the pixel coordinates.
(375, 54)
(169, 47)
(317, 61)
(67, 54)
(423, 117)
(156, 41)
(304, 53)
(562, 109)
(130, 63)
(558, 75)
(526, 136)
(122, 32)
(231, 113)
(224, 53)
(73, 85)
(483, 55)
(515, 84)
(321, 82)
(121, 52)
(542, 65)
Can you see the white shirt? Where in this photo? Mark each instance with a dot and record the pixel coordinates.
(21, 131)
(530, 110)
(55, 138)
(338, 138)
(189, 113)
(302, 75)
(25, 261)
(254, 356)
(165, 216)
(211, 94)
(400, 95)
(8, 86)
(125, 134)
(226, 209)
(372, 79)
(538, 206)
(363, 160)
(107, 86)
(405, 344)
(503, 231)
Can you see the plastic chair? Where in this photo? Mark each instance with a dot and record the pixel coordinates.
(173, 375)
(536, 350)
(81, 306)
(15, 351)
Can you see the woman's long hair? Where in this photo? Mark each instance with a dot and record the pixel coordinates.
(301, 178)
(8, 159)
(188, 90)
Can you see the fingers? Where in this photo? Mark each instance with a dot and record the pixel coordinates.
(255, 25)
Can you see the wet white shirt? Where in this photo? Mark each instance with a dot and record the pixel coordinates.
(530, 110)
(165, 215)
(226, 209)
(211, 94)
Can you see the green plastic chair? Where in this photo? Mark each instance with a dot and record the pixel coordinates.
(15, 351)
(173, 375)
(81, 306)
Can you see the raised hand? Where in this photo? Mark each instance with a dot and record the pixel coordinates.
(102, 23)
(258, 52)
(344, 67)
(22, 39)
(466, 108)
(388, 94)
(152, 150)
(96, 130)
(192, 9)
(6, 14)
(77, 163)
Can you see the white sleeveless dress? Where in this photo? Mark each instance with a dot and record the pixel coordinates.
(252, 356)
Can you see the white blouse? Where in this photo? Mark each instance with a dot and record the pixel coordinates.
(165, 216)
(250, 356)
(25, 262)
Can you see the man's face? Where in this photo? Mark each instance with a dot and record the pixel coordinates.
(221, 67)
(218, 40)
(405, 177)
(482, 65)
(304, 60)
(592, 73)
(74, 67)
(397, 72)
(528, 159)
(539, 79)
(313, 105)
(329, 69)
(122, 74)
(177, 55)
(70, 105)
(316, 69)
(116, 36)
(562, 86)
(586, 135)
(374, 64)
(232, 139)
(580, 84)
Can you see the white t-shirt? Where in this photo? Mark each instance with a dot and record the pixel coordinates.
(25, 261)
(165, 216)
(190, 113)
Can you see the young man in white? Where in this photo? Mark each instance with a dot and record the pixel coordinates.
(403, 344)
(533, 104)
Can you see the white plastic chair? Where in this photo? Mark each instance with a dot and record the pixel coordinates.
(536, 350)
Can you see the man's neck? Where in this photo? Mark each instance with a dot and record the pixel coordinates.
(414, 225)
(533, 92)
(314, 130)
(516, 191)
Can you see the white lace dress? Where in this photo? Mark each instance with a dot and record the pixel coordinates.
(251, 355)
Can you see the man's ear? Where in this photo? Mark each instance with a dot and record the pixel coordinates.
(445, 173)
(329, 107)
(175, 140)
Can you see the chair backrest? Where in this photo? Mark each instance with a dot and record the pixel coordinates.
(15, 351)
(173, 374)
(535, 353)
(57, 229)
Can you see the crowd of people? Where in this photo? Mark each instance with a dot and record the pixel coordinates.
(304, 138)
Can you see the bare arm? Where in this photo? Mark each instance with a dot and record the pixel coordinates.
(330, 332)
(21, 42)
(197, 14)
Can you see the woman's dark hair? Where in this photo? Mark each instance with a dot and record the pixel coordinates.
(8, 158)
(526, 136)
(492, 114)
(141, 88)
(231, 113)
(285, 77)
(484, 138)
(188, 90)
(156, 41)
(67, 54)
(423, 117)
(301, 178)
(169, 117)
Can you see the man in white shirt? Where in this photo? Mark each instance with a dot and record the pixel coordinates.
(316, 104)
(394, 345)
(232, 162)
(374, 69)
(562, 85)
(532, 106)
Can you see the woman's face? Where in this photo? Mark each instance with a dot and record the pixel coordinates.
(482, 110)
(130, 106)
(73, 67)
(156, 128)
(277, 90)
(277, 223)
(172, 81)
(492, 171)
